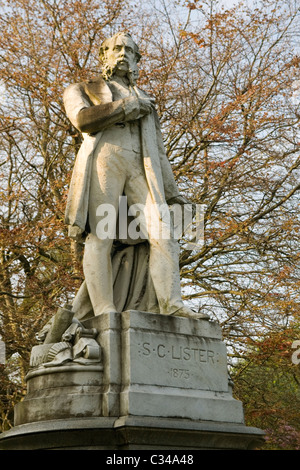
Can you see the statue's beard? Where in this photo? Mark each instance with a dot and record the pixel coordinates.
(108, 71)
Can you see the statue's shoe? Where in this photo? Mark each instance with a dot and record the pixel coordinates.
(188, 313)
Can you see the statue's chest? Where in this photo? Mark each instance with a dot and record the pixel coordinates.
(119, 91)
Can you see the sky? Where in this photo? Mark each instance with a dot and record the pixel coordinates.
(229, 3)
(232, 3)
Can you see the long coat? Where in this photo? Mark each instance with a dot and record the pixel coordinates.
(158, 171)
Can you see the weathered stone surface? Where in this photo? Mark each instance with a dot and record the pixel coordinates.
(151, 365)
(109, 337)
(62, 392)
(131, 433)
(164, 366)
(162, 384)
(178, 353)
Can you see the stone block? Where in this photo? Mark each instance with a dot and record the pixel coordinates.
(61, 392)
(109, 337)
(176, 353)
(162, 366)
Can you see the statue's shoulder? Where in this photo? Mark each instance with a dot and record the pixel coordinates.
(86, 85)
(95, 90)
(98, 80)
(94, 82)
(73, 91)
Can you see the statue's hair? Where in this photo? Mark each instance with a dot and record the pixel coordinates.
(107, 69)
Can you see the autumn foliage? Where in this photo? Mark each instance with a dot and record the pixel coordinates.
(225, 83)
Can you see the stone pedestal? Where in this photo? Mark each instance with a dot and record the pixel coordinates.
(61, 392)
(130, 433)
(162, 384)
(162, 366)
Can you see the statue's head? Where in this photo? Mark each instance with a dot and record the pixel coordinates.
(120, 55)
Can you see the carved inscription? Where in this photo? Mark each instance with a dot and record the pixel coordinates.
(180, 373)
(178, 353)
(176, 360)
(181, 363)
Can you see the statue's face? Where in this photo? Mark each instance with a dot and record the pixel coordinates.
(120, 55)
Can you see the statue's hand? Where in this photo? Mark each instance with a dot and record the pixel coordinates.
(146, 106)
(136, 107)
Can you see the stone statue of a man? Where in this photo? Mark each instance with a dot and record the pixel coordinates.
(122, 154)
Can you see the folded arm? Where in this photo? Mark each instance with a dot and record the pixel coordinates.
(92, 118)
(98, 117)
